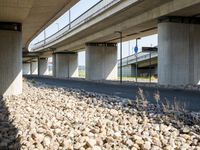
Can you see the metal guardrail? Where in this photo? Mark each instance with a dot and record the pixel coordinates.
(86, 16)
(140, 57)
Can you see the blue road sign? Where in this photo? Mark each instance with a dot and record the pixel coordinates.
(136, 49)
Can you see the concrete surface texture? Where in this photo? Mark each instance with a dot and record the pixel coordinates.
(43, 66)
(34, 67)
(178, 53)
(127, 71)
(101, 62)
(26, 68)
(143, 69)
(10, 62)
(65, 65)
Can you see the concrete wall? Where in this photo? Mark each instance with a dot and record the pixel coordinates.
(101, 62)
(65, 65)
(178, 53)
(127, 71)
(43, 66)
(130, 71)
(26, 68)
(34, 67)
(10, 62)
(73, 65)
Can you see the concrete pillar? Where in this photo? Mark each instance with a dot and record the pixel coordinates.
(26, 68)
(43, 66)
(10, 59)
(34, 67)
(65, 65)
(101, 61)
(179, 51)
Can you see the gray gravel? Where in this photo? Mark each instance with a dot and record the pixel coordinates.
(54, 118)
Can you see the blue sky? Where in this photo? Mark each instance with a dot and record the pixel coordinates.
(76, 11)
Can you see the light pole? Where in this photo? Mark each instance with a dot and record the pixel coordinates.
(136, 51)
(150, 63)
(38, 59)
(120, 33)
(150, 66)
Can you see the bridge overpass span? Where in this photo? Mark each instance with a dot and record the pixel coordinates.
(175, 21)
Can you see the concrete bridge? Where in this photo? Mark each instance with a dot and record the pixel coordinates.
(20, 22)
(175, 21)
(144, 62)
(95, 31)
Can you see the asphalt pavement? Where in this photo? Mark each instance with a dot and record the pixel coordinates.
(191, 99)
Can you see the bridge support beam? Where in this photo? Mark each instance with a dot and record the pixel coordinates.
(179, 51)
(34, 67)
(65, 65)
(10, 59)
(43, 66)
(26, 68)
(101, 61)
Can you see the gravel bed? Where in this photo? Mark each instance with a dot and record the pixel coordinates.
(54, 118)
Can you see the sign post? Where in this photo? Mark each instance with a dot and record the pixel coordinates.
(136, 51)
(150, 66)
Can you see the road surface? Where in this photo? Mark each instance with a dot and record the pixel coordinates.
(191, 99)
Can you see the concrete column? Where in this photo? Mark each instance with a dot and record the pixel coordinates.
(101, 61)
(34, 67)
(65, 65)
(26, 68)
(179, 52)
(43, 66)
(10, 59)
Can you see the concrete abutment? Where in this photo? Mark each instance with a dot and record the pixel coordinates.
(43, 66)
(10, 59)
(179, 51)
(65, 65)
(101, 61)
(34, 67)
(26, 68)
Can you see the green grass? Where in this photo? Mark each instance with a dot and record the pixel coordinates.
(145, 79)
(81, 74)
(135, 77)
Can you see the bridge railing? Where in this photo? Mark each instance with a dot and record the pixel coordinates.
(86, 16)
(140, 57)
